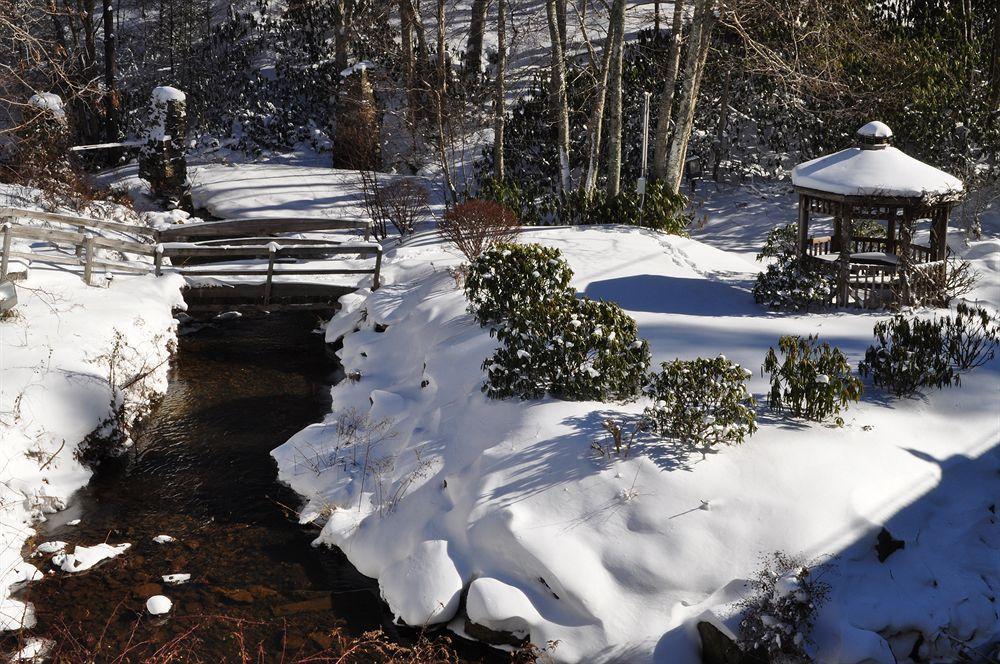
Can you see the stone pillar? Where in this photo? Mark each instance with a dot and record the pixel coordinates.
(162, 159)
(356, 139)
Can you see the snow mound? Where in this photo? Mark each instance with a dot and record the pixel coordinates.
(500, 607)
(85, 557)
(425, 587)
(157, 605)
(49, 547)
(48, 101)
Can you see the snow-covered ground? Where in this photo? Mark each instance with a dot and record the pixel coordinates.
(619, 560)
(57, 355)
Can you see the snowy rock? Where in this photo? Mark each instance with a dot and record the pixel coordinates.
(49, 547)
(34, 650)
(165, 93)
(85, 557)
(157, 605)
(424, 588)
(164, 539)
(176, 579)
(500, 607)
(48, 101)
(74, 522)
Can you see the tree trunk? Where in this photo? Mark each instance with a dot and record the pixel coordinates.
(700, 39)
(617, 26)
(661, 145)
(557, 92)
(474, 46)
(442, 51)
(720, 131)
(110, 74)
(589, 183)
(500, 93)
(343, 32)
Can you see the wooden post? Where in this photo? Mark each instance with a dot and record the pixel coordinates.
(890, 233)
(88, 268)
(376, 279)
(272, 249)
(79, 248)
(905, 262)
(8, 233)
(803, 225)
(843, 225)
(158, 260)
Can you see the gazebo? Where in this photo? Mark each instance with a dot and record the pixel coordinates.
(874, 181)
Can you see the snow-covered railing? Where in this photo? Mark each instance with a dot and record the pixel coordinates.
(85, 245)
(79, 222)
(273, 251)
(231, 228)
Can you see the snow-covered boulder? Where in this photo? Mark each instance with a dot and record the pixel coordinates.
(157, 605)
(85, 557)
(500, 607)
(424, 588)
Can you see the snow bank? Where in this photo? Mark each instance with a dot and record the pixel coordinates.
(619, 560)
(54, 391)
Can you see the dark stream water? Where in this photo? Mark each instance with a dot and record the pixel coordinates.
(201, 472)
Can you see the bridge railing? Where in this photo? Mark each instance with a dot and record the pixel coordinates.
(233, 228)
(273, 252)
(273, 249)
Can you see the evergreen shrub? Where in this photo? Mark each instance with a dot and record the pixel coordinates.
(809, 379)
(701, 402)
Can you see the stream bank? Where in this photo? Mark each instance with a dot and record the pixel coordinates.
(200, 472)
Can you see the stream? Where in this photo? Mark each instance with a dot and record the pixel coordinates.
(200, 471)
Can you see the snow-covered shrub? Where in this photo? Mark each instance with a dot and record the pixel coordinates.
(810, 379)
(910, 353)
(701, 402)
(788, 283)
(779, 615)
(576, 349)
(780, 241)
(511, 276)
(475, 226)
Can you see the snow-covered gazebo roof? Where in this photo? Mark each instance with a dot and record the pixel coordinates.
(875, 169)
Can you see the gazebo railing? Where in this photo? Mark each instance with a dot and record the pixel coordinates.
(818, 246)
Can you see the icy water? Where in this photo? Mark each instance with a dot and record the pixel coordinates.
(201, 472)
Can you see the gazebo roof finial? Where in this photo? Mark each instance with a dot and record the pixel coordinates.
(874, 136)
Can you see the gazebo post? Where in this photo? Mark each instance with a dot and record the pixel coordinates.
(939, 233)
(890, 232)
(905, 262)
(843, 228)
(803, 225)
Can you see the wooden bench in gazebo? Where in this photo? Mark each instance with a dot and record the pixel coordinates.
(875, 182)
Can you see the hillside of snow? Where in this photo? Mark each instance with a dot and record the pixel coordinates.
(618, 560)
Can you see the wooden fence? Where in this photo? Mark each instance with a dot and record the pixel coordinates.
(86, 244)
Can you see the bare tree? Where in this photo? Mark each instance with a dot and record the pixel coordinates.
(474, 45)
(661, 143)
(616, 27)
(557, 92)
(594, 128)
(694, 66)
(500, 92)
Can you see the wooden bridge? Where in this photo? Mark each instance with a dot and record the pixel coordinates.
(229, 265)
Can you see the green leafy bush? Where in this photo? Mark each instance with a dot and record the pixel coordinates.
(577, 349)
(780, 241)
(910, 353)
(661, 210)
(788, 283)
(512, 276)
(810, 379)
(791, 285)
(702, 402)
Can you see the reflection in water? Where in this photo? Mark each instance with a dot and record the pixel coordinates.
(201, 472)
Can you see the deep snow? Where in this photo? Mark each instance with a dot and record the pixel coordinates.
(619, 560)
